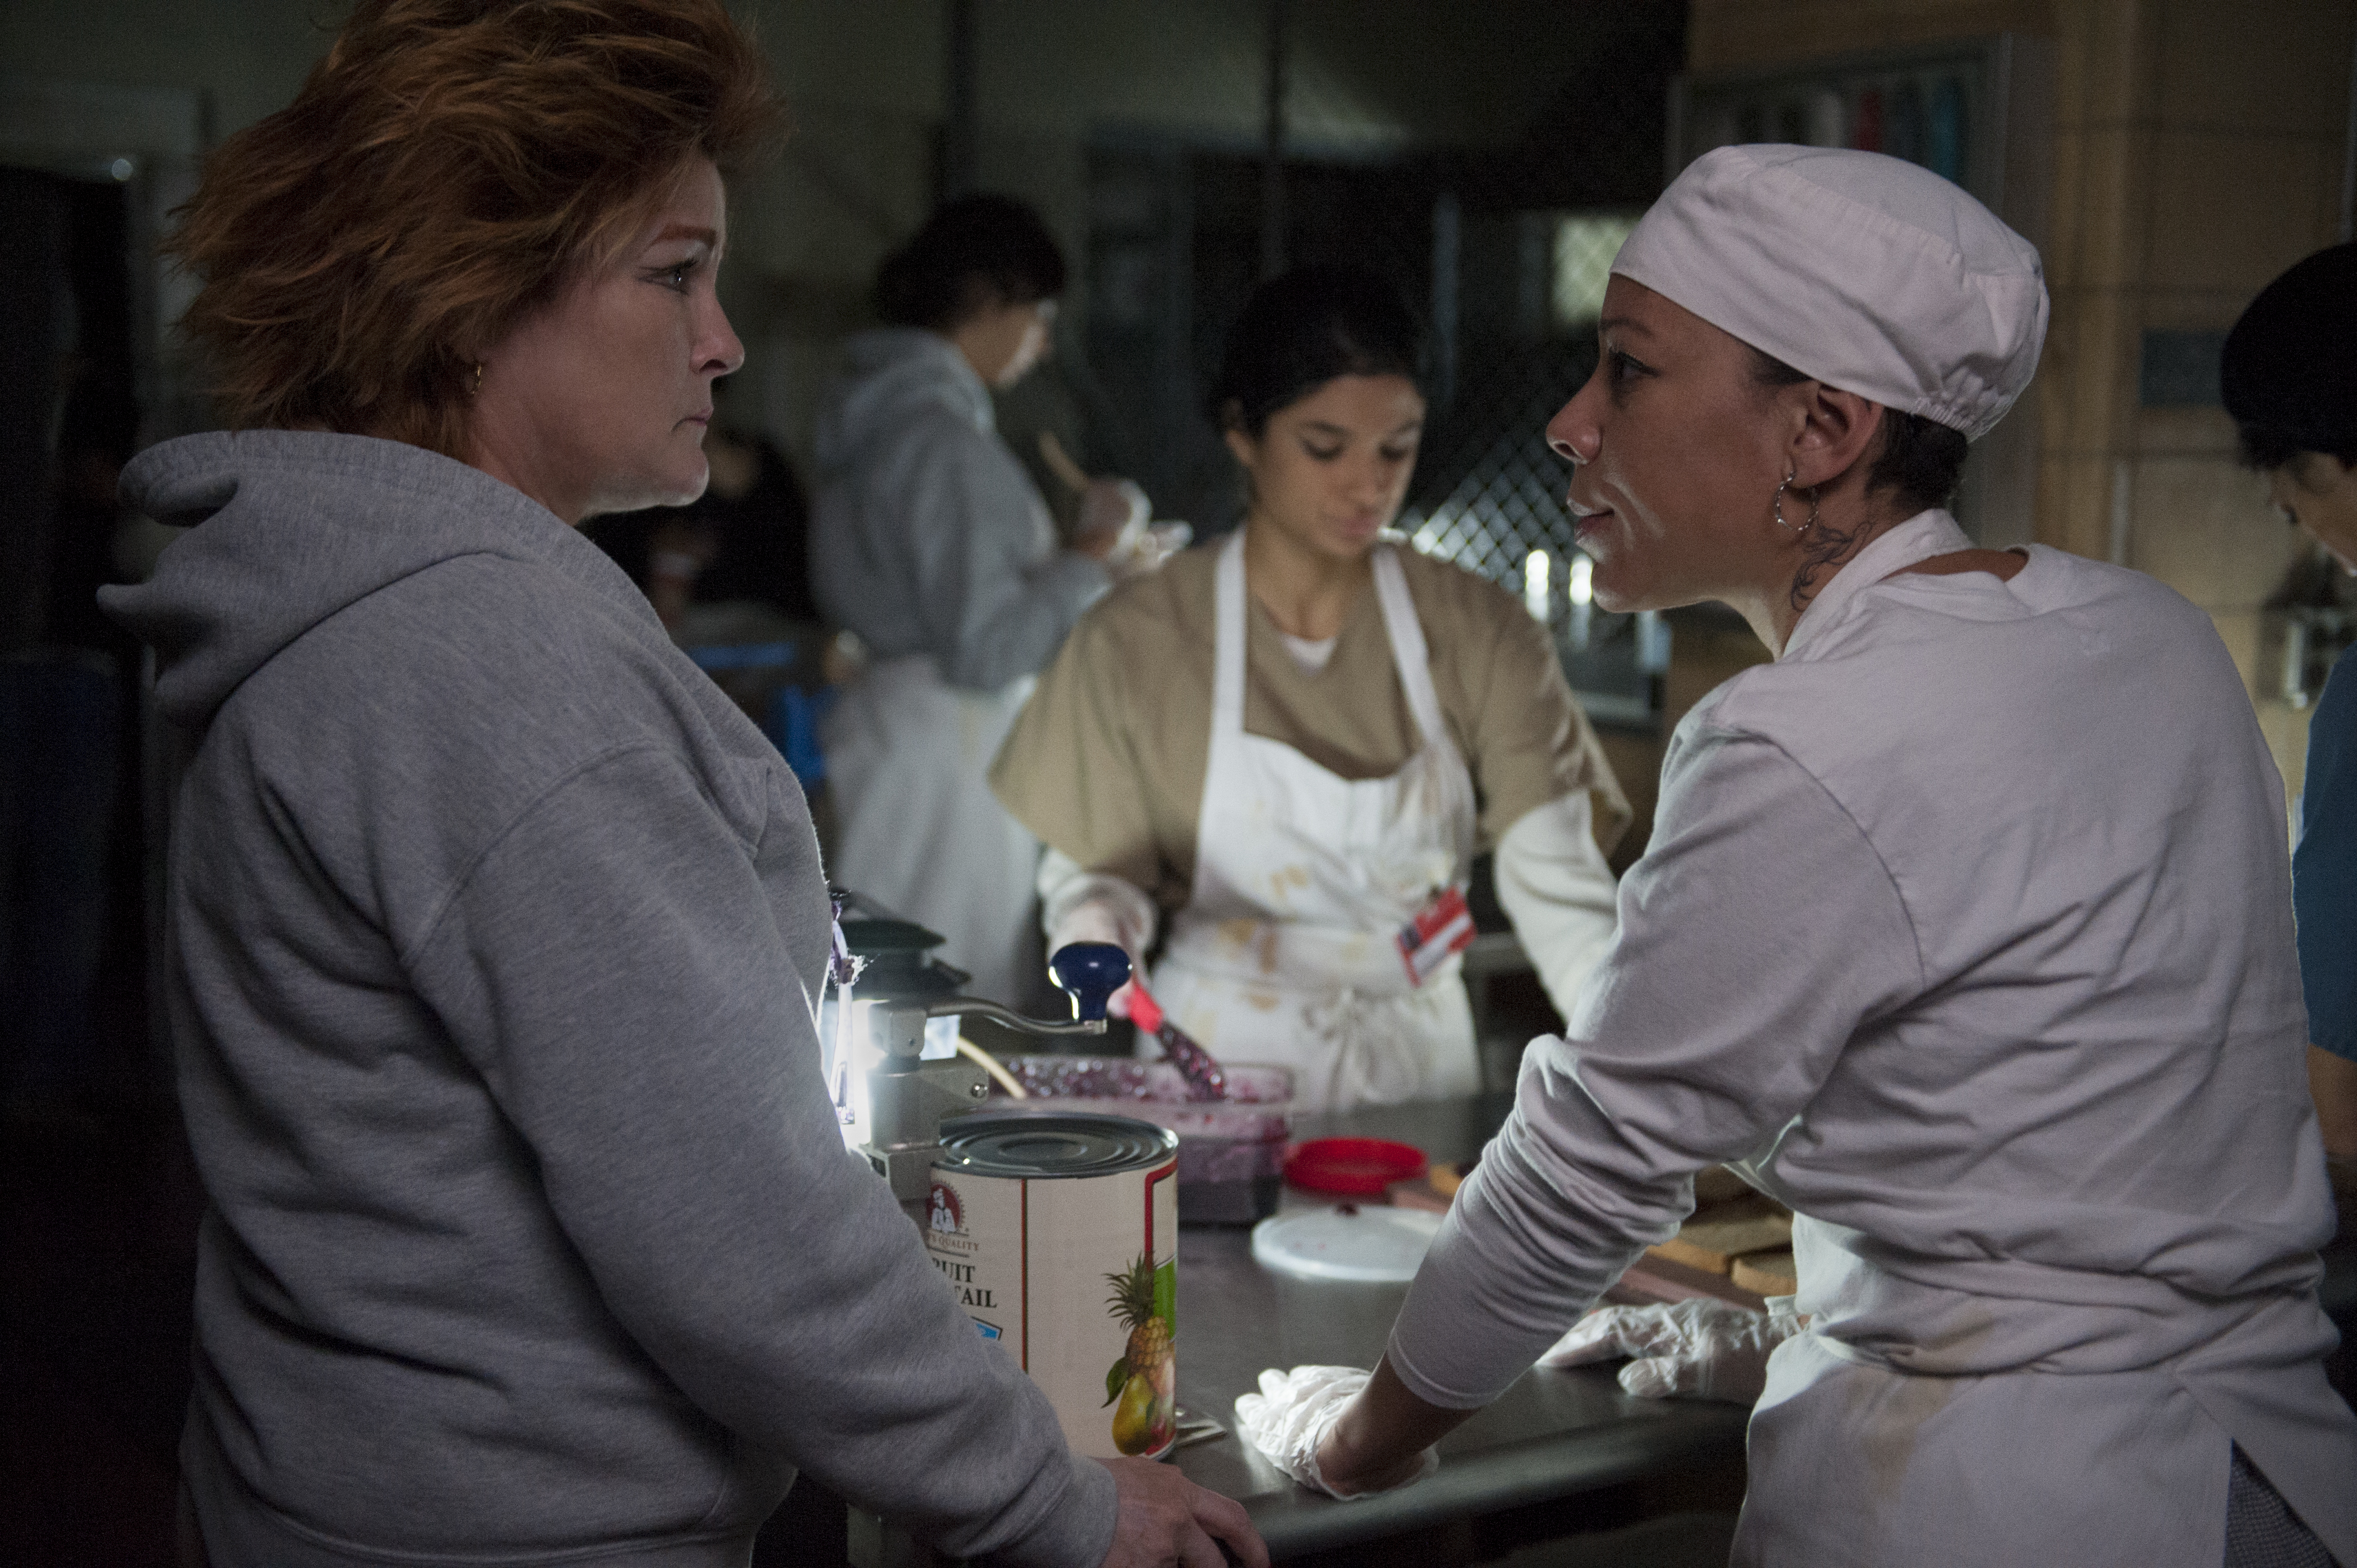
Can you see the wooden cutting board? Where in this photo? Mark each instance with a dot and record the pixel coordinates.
(1767, 1273)
(1716, 1237)
(1433, 1191)
(1651, 1281)
(1735, 1234)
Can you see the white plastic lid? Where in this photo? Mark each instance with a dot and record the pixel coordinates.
(1369, 1244)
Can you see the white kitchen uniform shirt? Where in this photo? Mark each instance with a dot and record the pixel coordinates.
(1967, 924)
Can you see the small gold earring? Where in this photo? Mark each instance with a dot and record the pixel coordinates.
(477, 388)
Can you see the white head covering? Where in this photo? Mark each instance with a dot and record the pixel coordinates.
(1860, 271)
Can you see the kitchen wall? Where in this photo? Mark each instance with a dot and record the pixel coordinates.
(865, 80)
(2197, 151)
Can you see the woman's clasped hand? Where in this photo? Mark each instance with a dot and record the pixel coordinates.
(1166, 1519)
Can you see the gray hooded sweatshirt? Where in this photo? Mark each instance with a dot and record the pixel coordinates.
(927, 535)
(496, 933)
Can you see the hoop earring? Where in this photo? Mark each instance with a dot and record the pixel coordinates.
(1776, 505)
(476, 390)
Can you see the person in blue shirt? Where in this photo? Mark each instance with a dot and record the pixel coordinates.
(2289, 378)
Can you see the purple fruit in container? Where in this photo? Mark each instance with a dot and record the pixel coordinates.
(1230, 1152)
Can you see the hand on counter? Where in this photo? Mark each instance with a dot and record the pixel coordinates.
(1329, 1428)
(1713, 1348)
(1167, 1521)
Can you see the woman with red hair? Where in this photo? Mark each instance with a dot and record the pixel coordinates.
(496, 930)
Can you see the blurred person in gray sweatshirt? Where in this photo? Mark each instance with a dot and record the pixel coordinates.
(930, 543)
(495, 929)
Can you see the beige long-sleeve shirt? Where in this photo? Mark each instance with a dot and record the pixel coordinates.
(1106, 762)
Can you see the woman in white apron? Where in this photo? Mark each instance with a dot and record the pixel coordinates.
(1288, 949)
(1296, 741)
(1965, 931)
(929, 540)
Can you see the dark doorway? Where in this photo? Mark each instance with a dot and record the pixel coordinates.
(97, 1201)
(72, 940)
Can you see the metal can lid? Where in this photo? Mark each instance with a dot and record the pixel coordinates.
(1046, 1145)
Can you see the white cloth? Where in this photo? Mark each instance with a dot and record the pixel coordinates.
(917, 827)
(1560, 893)
(930, 543)
(1714, 1350)
(1292, 1414)
(1967, 925)
(1288, 950)
(1862, 271)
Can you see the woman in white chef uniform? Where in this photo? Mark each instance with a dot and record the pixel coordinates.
(1298, 738)
(929, 542)
(1965, 930)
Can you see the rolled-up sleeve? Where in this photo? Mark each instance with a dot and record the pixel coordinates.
(1759, 932)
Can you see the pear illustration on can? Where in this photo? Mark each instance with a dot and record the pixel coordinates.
(1142, 1386)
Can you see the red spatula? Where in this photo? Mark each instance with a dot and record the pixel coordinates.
(1205, 1078)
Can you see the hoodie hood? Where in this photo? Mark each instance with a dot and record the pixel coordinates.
(891, 377)
(287, 528)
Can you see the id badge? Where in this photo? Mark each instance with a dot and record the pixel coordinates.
(1441, 929)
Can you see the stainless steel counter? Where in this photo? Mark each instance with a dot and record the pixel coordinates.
(1555, 1435)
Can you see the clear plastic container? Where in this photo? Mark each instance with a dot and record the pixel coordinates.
(1230, 1152)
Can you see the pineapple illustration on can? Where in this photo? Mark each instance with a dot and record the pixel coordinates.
(1142, 1386)
(1059, 1235)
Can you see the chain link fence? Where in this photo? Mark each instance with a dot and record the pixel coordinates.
(1503, 246)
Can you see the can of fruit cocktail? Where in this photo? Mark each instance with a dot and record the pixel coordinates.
(1059, 1234)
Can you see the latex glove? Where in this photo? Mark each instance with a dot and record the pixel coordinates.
(1113, 506)
(1117, 527)
(1098, 920)
(1149, 547)
(1292, 1413)
(1712, 1348)
(1114, 515)
(1078, 906)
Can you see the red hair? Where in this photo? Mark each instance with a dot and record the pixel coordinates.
(442, 171)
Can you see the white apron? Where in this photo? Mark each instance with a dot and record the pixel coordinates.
(1287, 950)
(908, 759)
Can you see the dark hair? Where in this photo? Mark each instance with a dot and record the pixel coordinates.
(972, 253)
(1303, 330)
(2267, 447)
(1920, 459)
(440, 173)
(2288, 372)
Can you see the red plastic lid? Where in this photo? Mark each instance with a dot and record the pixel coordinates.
(1360, 1166)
